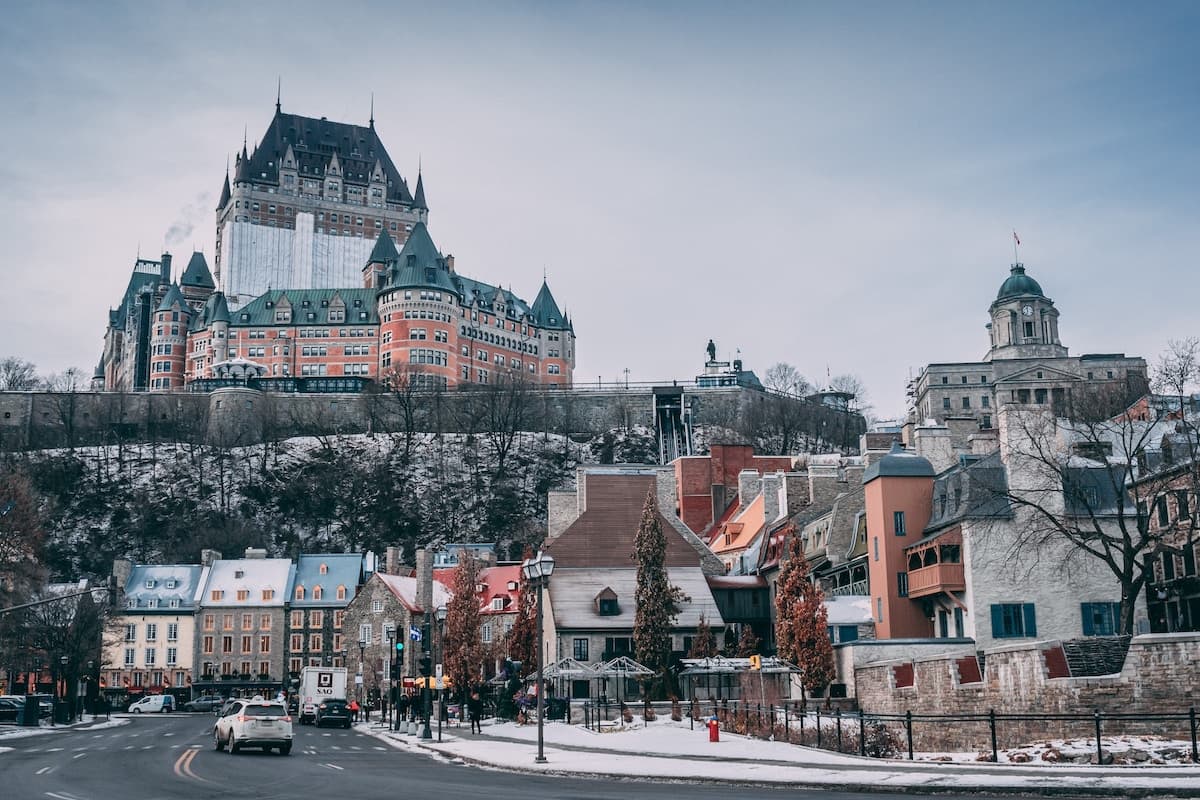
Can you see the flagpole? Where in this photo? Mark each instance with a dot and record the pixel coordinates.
(1016, 241)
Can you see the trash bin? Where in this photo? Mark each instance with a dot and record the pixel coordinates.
(62, 713)
(30, 712)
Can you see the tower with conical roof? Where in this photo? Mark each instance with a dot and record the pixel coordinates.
(305, 206)
(168, 341)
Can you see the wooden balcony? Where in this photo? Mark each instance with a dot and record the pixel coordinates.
(936, 579)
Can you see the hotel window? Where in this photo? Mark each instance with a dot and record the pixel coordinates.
(131, 633)
(172, 631)
(294, 664)
(247, 622)
(247, 644)
(338, 618)
(314, 641)
(227, 622)
(172, 656)
(299, 594)
(208, 644)
(297, 642)
(376, 607)
(316, 619)
(898, 522)
(151, 632)
(130, 656)
(264, 622)
(297, 619)
(264, 644)
(226, 644)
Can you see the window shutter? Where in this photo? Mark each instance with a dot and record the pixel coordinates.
(1085, 609)
(1030, 620)
(998, 622)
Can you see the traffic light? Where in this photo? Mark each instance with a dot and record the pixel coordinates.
(400, 648)
(425, 663)
(755, 662)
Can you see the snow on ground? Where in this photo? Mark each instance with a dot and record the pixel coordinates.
(1152, 750)
(669, 750)
(18, 732)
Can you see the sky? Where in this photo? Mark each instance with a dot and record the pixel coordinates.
(830, 185)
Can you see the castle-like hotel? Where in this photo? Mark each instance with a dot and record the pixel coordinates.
(318, 207)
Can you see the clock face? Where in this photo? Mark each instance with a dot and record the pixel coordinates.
(1027, 311)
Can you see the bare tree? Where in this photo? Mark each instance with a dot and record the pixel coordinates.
(17, 375)
(64, 388)
(783, 377)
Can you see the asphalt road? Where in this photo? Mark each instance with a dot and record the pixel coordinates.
(171, 757)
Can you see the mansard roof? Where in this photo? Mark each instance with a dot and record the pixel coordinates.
(158, 586)
(146, 277)
(197, 273)
(315, 144)
(341, 569)
(309, 307)
(251, 574)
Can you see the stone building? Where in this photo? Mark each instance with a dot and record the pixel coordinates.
(1026, 362)
(241, 624)
(323, 586)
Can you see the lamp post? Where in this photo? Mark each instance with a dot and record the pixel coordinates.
(391, 696)
(441, 654)
(362, 647)
(538, 569)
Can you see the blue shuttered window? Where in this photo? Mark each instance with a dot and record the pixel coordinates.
(1013, 620)
(1100, 619)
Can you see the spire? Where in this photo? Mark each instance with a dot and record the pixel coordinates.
(245, 136)
(545, 310)
(225, 193)
(419, 194)
(278, 93)
(197, 274)
(371, 123)
(384, 250)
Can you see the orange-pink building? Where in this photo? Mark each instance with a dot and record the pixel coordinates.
(707, 486)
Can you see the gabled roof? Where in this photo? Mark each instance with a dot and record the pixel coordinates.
(162, 584)
(174, 297)
(1029, 373)
(316, 143)
(494, 581)
(341, 569)
(197, 274)
(603, 535)
(404, 589)
(741, 531)
(972, 489)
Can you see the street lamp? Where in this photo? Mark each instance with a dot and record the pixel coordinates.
(362, 647)
(390, 660)
(538, 570)
(441, 654)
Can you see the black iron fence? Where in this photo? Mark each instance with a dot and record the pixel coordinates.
(894, 735)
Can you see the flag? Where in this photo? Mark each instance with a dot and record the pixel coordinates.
(414, 633)
(1016, 238)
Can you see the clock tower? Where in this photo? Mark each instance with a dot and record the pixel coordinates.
(1024, 321)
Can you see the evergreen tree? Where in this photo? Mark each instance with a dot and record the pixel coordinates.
(704, 645)
(462, 648)
(748, 642)
(801, 633)
(657, 601)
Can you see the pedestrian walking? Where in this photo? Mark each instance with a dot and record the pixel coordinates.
(353, 708)
(401, 709)
(475, 711)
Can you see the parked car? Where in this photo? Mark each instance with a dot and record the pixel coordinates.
(253, 723)
(11, 708)
(333, 712)
(153, 703)
(207, 704)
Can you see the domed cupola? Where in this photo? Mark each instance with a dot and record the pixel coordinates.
(899, 463)
(1018, 284)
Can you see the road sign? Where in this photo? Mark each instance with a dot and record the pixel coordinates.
(437, 670)
(358, 679)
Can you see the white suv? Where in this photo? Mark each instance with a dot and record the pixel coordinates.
(254, 723)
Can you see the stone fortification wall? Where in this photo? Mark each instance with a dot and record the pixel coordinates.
(240, 416)
(1160, 674)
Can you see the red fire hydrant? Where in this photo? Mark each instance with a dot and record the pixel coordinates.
(714, 730)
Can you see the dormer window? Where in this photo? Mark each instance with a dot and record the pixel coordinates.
(152, 602)
(171, 583)
(131, 602)
(497, 604)
(239, 573)
(480, 587)
(316, 593)
(150, 584)
(174, 603)
(512, 586)
(324, 569)
(606, 603)
(341, 593)
(299, 593)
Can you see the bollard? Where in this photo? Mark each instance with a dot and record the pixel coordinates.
(1192, 722)
(818, 726)
(862, 735)
(908, 728)
(838, 712)
(787, 728)
(1099, 744)
(992, 726)
(771, 722)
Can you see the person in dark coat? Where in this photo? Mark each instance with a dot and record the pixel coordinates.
(402, 709)
(475, 711)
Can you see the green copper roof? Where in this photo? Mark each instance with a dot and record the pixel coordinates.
(899, 463)
(173, 297)
(545, 310)
(309, 307)
(197, 273)
(420, 265)
(1019, 284)
(384, 250)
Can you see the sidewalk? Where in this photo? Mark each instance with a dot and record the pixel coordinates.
(91, 723)
(670, 751)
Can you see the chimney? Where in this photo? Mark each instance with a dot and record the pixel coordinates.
(425, 580)
(391, 564)
(795, 487)
(450, 262)
(982, 444)
(934, 442)
(773, 498)
(121, 570)
(207, 557)
(256, 552)
(749, 485)
(165, 271)
(719, 501)
(823, 485)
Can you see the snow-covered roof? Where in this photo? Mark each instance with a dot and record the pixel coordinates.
(265, 581)
(848, 609)
(328, 571)
(573, 594)
(162, 586)
(404, 587)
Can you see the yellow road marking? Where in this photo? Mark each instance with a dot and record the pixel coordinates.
(183, 766)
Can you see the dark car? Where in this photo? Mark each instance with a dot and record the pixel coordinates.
(333, 712)
(205, 704)
(11, 708)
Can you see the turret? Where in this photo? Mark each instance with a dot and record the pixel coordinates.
(383, 255)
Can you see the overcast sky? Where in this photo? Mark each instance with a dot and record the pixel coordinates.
(830, 185)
